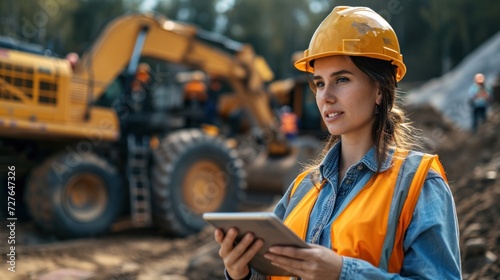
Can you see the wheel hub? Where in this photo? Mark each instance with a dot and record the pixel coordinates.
(85, 197)
(204, 187)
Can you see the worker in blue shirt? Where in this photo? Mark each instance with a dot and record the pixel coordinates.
(479, 97)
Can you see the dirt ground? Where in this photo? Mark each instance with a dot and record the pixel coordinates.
(120, 255)
(472, 163)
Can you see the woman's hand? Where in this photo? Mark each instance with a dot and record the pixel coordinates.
(236, 257)
(317, 262)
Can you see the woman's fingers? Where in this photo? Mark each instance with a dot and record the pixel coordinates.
(249, 253)
(218, 235)
(243, 251)
(227, 242)
(237, 256)
(288, 251)
(285, 256)
(316, 262)
(237, 253)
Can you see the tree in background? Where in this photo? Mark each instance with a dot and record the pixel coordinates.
(435, 35)
(277, 27)
(60, 25)
(457, 27)
(36, 22)
(200, 13)
(90, 17)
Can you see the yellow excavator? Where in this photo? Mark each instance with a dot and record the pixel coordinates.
(84, 154)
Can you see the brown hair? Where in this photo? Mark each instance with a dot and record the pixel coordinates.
(391, 128)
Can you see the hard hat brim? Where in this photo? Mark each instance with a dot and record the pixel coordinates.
(303, 64)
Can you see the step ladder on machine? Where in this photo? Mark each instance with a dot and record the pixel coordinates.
(138, 180)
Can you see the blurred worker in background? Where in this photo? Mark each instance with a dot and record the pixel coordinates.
(214, 90)
(196, 89)
(140, 95)
(479, 97)
(139, 102)
(195, 97)
(289, 123)
(370, 207)
(73, 59)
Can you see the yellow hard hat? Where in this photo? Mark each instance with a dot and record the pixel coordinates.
(354, 31)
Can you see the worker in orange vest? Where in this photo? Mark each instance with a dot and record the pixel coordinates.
(195, 96)
(140, 88)
(369, 206)
(289, 123)
(196, 89)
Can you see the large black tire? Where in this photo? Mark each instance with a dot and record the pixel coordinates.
(74, 195)
(194, 173)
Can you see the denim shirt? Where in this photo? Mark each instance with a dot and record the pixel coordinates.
(431, 242)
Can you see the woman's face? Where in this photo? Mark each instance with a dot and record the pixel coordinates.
(345, 96)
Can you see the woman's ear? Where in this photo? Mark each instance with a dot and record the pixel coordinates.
(378, 97)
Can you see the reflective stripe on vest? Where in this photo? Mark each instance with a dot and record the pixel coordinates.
(373, 224)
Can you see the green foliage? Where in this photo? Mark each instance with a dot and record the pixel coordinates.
(276, 24)
(200, 13)
(458, 27)
(60, 25)
(434, 35)
(88, 20)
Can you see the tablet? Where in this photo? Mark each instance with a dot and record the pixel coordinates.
(264, 225)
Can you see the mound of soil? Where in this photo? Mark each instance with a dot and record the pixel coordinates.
(472, 163)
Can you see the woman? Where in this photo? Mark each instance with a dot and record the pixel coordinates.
(371, 208)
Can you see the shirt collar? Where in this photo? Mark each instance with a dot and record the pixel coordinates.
(329, 164)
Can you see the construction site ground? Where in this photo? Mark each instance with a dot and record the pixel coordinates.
(472, 163)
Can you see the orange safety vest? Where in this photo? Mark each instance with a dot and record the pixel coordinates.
(289, 123)
(195, 90)
(363, 229)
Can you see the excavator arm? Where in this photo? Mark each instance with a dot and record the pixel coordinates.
(127, 38)
(163, 39)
